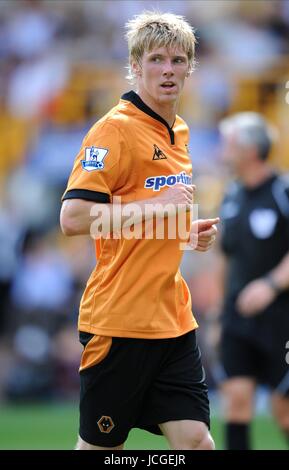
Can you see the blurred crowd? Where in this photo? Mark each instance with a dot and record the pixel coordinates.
(62, 66)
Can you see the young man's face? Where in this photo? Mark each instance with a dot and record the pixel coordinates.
(161, 74)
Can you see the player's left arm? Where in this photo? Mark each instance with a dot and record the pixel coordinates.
(203, 233)
(260, 293)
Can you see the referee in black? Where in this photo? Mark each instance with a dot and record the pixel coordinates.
(255, 244)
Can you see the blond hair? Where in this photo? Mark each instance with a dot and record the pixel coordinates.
(153, 29)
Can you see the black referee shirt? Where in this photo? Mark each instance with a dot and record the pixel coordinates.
(255, 238)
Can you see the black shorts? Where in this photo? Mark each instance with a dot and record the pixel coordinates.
(141, 383)
(263, 361)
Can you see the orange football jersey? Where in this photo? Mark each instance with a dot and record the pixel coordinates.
(136, 289)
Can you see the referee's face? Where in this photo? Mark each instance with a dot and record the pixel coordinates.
(234, 156)
(161, 75)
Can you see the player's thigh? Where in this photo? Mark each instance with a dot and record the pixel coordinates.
(280, 410)
(178, 390)
(113, 390)
(109, 404)
(187, 435)
(82, 445)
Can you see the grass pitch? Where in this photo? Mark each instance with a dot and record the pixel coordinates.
(54, 427)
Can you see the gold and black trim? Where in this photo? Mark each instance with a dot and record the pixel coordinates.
(87, 195)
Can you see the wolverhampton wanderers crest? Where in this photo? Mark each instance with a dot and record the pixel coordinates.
(105, 424)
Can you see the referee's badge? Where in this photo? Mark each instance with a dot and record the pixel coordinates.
(229, 210)
(263, 222)
(94, 157)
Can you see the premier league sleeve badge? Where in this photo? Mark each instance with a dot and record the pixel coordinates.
(94, 157)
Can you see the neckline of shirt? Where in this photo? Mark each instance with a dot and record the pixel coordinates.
(267, 182)
(135, 99)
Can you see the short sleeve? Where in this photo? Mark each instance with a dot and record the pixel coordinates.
(96, 167)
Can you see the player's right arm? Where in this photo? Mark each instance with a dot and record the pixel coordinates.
(77, 215)
(103, 165)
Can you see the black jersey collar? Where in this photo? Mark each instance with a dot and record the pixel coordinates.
(267, 182)
(134, 98)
